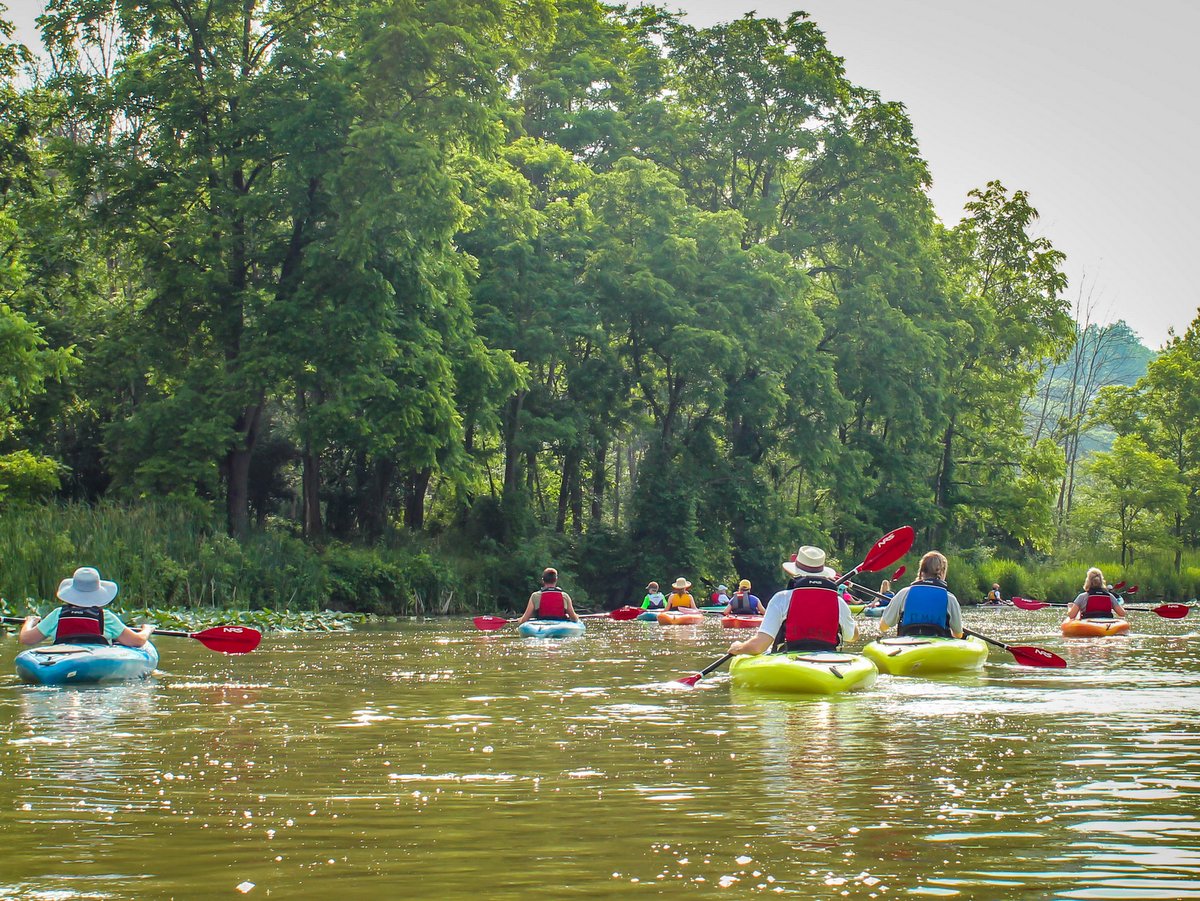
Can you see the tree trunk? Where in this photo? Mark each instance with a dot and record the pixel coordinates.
(599, 483)
(373, 492)
(942, 492)
(237, 468)
(311, 492)
(415, 489)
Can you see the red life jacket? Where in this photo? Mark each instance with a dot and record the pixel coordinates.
(1099, 605)
(80, 625)
(550, 604)
(812, 616)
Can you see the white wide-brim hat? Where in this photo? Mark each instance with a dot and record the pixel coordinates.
(681, 583)
(809, 561)
(86, 589)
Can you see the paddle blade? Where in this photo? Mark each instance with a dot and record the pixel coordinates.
(1132, 590)
(229, 639)
(1029, 656)
(888, 549)
(898, 573)
(490, 623)
(625, 613)
(1172, 611)
(690, 681)
(1119, 586)
(1026, 604)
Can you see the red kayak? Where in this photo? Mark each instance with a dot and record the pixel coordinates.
(741, 622)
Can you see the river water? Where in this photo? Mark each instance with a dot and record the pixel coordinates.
(433, 761)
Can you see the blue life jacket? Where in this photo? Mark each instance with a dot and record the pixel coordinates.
(926, 609)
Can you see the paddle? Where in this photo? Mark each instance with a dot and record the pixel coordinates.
(492, 623)
(1023, 654)
(886, 551)
(226, 639)
(1166, 611)
(898, 573)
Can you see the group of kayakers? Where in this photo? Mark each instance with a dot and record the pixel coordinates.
(741, 603)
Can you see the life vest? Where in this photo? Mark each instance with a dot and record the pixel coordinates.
(80, 625)
(1098, 605)
(926, 609)
(680, 600)
(550, 604)
(743, 603)
(812, 616)
(656, 601)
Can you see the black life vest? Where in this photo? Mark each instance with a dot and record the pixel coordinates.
(80, 625)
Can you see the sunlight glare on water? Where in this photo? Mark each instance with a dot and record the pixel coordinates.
(449, 763)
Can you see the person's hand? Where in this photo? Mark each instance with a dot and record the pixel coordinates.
(736, 647)
(147, 630)
(32, 620)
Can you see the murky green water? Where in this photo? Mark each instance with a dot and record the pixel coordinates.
(434, 761)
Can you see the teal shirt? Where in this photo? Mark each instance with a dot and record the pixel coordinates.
(112, 624)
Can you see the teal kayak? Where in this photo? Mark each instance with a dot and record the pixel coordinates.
(551, 628)
(649, 616)
(85, 664)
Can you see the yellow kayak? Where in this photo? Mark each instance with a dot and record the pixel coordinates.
(922, 655)
(804, 672)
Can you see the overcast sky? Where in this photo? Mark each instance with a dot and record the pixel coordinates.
(1092, 107)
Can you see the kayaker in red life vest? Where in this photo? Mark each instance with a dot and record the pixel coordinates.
(926, 607)
(743, 603)
(1095, 601)
(551, 602)
(81, 619)
(808, 615)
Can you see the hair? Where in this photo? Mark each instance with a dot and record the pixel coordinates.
(1094, 579)
(933, 566)
(549, 575)
(886, 585)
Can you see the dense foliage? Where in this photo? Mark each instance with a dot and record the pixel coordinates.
(536, 281)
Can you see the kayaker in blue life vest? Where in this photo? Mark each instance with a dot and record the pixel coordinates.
(927, 607)
(550, 601)
(743, 603)
(885, 589)
(654, 599)
(1095, 601)
(82, 618)
(808, 615)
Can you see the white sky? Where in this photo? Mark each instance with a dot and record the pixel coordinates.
(1089, 106)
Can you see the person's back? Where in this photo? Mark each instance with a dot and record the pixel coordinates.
(927, 607)
(680, 598)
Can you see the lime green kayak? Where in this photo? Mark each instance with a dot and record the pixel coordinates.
(914, 655)
(804, 672)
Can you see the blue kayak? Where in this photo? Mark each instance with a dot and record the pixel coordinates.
(649, 616)
(874, 611)
(551, 628)
(85, 664)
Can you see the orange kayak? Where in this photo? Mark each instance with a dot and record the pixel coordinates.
(1094, 628)
(676, 618)
(746, 621)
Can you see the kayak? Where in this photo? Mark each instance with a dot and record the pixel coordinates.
(1094, 628)
(741, 621)
(874, 611)
(673, 618)
(920, 654)
(856, 609)
(648, 616)
(805, 672)
(85, 664)
(719, 608)
(551, 628)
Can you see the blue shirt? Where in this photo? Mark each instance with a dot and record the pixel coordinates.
(112, 624)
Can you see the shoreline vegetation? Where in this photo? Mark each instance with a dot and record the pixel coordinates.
(386, 316)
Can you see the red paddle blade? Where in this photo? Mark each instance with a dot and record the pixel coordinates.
(690, 681)
(1025, 604)
(1132, 590)
(1172, 611)
(888, 549)
(229, 639)
(624, 613)
(898, 573)
(1028, 656)
(1119, 586)
(490, 623)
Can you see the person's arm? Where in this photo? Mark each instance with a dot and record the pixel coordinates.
(646, 602)
(528, 614)
(892, 612)
(570, 605)
(1075, 608)
(759, 644)
(132, 639)
(1118, 608)
(767, 630)
(758, 605)
(954, 615)
(846, 624)
(30, 633)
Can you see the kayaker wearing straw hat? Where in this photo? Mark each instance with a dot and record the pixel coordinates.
(808, 615)
(81, 619)
(680, 598)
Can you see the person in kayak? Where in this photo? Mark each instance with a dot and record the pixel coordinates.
(994, 597)
(82, 618)
(886, 590)
(654, 599)
(1095, 601)
(720, 596)
(680, 598)
(808, 615)
(927, 607)
(550, 601)
(743, 603)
